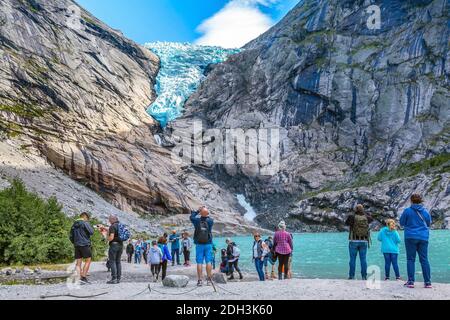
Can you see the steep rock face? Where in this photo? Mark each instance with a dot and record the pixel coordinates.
(350, 102)
(78, 91)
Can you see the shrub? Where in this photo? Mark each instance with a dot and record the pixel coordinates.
(33, 230)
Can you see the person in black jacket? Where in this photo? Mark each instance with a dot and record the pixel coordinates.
(80, 236)
(130, 251)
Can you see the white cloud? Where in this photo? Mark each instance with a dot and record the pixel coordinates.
(239, 22)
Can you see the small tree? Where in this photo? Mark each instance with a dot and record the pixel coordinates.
(33, 230)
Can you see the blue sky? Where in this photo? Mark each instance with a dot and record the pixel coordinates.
(228, 23)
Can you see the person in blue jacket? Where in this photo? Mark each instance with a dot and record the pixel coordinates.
(174, 240)
(390, 240)
(416, 221)
(203, 240)
(166, 257)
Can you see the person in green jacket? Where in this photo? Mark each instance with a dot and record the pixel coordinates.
(390, 240)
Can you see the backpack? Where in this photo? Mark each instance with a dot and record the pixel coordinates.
(236, 252)
(124, 233)
(202, 234)
(360, 228)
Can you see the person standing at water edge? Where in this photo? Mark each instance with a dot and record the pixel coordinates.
(203, 239)
(137, 252)
(187, 245)
(166, 257)
(174, 240)
(234, 253)
(129, 250)
(115, 250)
(260, 249)
(359, 237)
(155, 256)
(144, 246)
(283, 248)
(416, 221)
(390, 239)
(80, 235)
(269, 259)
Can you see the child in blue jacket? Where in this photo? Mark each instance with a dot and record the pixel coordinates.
(390, 240)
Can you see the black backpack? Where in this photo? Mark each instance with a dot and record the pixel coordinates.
(202, 234)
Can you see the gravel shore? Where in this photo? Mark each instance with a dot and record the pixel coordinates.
(137, 279)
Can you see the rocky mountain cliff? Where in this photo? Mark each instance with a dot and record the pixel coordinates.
(76, 91)
(363, 112)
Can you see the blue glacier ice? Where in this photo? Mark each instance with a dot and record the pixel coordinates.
(182, 70)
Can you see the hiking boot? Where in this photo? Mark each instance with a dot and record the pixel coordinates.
(113, 281)
(240, 276)
(231, 277)
(84, 280)
(409, 284)
(280, 276)
(428, 286)
(199, 283)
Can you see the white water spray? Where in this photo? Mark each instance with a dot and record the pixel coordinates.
(250, 215)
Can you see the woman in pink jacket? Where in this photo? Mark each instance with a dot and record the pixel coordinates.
(283, 248)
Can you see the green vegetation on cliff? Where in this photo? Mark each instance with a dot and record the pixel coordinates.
(33, 230)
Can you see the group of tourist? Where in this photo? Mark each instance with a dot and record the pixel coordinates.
(415, 220)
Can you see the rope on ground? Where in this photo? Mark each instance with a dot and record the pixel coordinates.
(73, 296)
(233, 293)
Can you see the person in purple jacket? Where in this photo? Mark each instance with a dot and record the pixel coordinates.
(283, 247)
(416, 221)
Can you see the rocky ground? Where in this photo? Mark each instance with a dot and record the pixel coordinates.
(137, 278)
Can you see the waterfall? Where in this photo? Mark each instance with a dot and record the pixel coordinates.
(250, 215)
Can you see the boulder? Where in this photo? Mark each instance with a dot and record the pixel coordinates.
(6, 271)
(176, 281)
(27, 271)
(219, 278)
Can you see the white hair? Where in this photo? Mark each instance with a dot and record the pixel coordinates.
(282, 225)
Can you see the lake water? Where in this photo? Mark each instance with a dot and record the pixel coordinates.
(325, 255)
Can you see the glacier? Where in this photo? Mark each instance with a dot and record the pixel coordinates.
(183, 67)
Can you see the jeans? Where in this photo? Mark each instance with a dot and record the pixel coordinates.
(259, 268)
(114, 256)
(129, 257)
(175, 254)
(356, 247)
(391, 258)
(137, 258)
(420, 247)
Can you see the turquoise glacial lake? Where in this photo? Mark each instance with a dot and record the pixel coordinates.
(325, 255)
